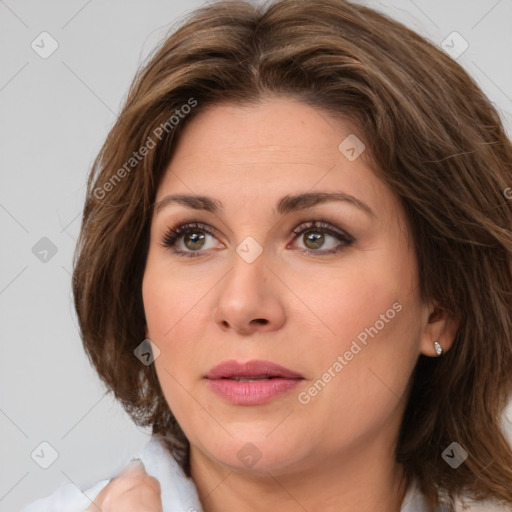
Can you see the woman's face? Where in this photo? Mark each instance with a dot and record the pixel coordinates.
(326, 289)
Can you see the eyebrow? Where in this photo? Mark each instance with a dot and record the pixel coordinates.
(287, 204)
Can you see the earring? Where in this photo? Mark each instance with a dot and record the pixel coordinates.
(439, 349)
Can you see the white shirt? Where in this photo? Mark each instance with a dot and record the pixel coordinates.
(178, 492)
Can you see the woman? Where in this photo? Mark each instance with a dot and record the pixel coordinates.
(295, 265)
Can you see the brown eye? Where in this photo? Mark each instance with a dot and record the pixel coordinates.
(193, 240)
(313, 239)
(190, 239)
(317, 233)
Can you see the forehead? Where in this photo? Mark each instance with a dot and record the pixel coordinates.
(280, 146)
(277, 128)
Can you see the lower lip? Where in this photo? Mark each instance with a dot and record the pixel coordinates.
(252, 393)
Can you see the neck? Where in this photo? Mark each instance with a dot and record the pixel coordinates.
(359, 482)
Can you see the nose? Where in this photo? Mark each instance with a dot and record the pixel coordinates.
(249, 299)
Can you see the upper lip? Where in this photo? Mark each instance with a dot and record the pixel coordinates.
(233, 369)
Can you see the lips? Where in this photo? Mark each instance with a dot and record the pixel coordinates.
(251, 370)
(251, 383)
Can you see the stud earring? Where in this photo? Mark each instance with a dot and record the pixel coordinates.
(439, 349)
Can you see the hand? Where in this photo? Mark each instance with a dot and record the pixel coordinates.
(131, 491)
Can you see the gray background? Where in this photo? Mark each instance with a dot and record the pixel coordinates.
(55, 115)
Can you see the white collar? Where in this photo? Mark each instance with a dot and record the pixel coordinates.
(178, 491)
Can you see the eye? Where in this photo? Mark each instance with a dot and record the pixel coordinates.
(192, 236)
(314, 235)
(190, 239)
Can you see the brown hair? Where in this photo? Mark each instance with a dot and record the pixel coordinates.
(436, 140)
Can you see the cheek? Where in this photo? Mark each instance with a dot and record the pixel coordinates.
(366, 290)
(358, 379)
(177, 315)
(172, 314)
(169, 298)
(372, 311)
(164, 305)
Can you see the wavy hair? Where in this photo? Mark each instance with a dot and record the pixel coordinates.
(436, 140)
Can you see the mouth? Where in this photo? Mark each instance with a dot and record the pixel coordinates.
(251, 371)
(254, 378)
(251, 383)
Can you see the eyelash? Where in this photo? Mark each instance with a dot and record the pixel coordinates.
(177, 231)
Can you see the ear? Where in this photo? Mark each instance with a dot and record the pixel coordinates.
(442, 327)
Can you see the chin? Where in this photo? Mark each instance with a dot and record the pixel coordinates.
(258, 454)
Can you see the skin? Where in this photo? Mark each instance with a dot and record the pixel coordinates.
(302, 311)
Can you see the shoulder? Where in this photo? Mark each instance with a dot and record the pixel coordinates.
(71, 497)
(468, 505)
(414, 501)
(178, 491)
(68, 497)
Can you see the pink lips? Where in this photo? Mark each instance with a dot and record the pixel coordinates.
(251, 383)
